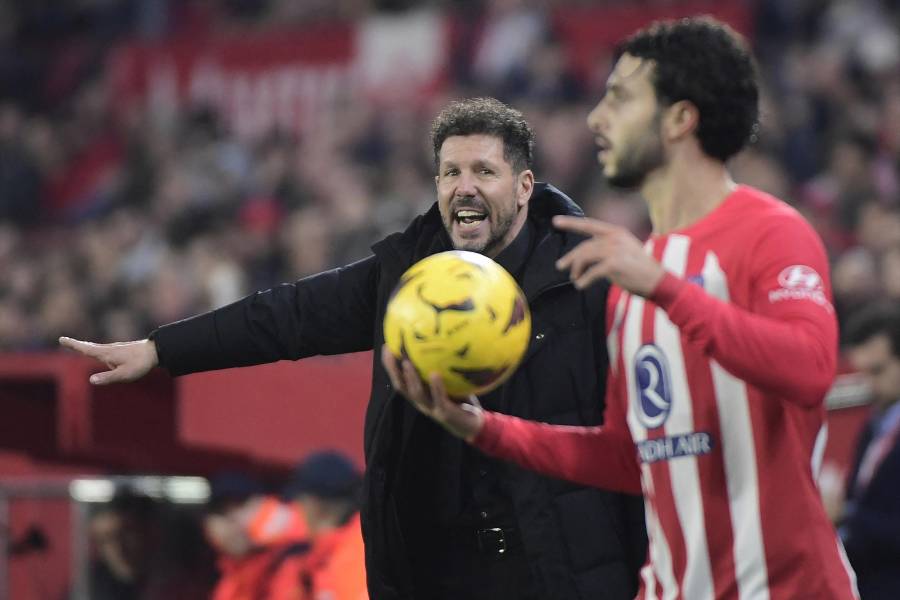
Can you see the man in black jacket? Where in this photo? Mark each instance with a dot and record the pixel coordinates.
(440, 520)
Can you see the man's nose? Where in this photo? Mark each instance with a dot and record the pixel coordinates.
(596, 119)
(466, 185)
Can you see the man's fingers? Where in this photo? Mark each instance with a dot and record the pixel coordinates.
(566, 260)
(584, 256)
(438, 391)
(414, 386)
(86, 348)
(582, 225)
(577, 259)
(389, 361)
(107, 377)
(595, 272)
(473, 402)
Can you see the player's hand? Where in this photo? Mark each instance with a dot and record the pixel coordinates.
(126, 361)
(462, 418)
(610, 251)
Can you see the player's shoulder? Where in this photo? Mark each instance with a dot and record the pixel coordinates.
(772, 228)
(762, 212)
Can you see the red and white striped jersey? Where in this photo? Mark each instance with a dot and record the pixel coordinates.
(715, 411)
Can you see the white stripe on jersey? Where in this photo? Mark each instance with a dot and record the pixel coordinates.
(660, 556)
(819, 451)
(649, 582)
(739, 455)
(631, 337)
(612, 338)
(698, 581)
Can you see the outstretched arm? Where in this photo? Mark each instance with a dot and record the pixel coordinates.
(329, 313)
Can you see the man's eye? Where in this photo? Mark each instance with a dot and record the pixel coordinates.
(485, 171)
(451, 172)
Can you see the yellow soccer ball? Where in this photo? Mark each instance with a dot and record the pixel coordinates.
(461, 315)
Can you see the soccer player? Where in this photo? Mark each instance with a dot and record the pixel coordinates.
(721, 335)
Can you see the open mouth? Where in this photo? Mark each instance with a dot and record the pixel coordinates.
(467, 217)
(602, 143)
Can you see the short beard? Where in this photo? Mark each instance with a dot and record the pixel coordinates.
(644, 156)
(497, 236)
(491, 246)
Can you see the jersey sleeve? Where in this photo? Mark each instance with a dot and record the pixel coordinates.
(785, 340)
(602, 456)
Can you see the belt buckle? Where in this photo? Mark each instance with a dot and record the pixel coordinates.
(491, 541)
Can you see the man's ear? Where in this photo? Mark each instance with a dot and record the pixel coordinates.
(681, 119)
(524, 187)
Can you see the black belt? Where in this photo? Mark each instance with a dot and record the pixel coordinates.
(496, 541)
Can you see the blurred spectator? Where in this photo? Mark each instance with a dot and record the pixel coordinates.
(19, 174)
(870, 524)
(890, 274)
(122, 533)
(326, 488)
(256, 537)
(142, 555)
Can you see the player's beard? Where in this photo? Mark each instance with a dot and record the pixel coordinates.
(640, 158)
(501, 219)
(499, 231)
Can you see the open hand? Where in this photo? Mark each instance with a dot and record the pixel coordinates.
(463, 419)
(610, 251)
(126, 361)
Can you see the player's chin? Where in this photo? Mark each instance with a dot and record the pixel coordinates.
(472, 244)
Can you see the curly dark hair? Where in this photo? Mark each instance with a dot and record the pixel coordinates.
(706, 62)
(489, 117)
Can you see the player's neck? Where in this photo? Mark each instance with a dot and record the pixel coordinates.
(684, 191)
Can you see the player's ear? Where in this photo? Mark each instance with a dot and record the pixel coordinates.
(681, 118)
(524, 187)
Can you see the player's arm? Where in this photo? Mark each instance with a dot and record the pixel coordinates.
(783, 343)
(328, 313)
(601, 456)
(786, 340)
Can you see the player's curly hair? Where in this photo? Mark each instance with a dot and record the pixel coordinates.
(706, 62)
(486, 116)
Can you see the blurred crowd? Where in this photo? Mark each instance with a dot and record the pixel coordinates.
(188, 216)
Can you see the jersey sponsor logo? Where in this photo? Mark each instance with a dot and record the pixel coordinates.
(799, 282)
(695, 443)
(800, 277)
(654, 397)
